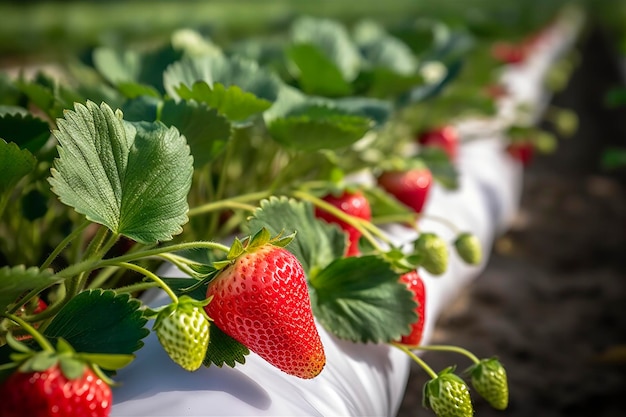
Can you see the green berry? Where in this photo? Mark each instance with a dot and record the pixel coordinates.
(490, 382)
(448, 395)
(183, 330)
(434, 252)
(468, 247)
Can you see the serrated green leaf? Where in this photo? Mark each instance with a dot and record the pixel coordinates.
(27, 131)
(362, 300)
(48, 94)
(317, 242)
(133, 90)
(206, 131)
(130, 66)
(317, 127)
(100, 321)
(236, 87)
(316, 73)
(224, 350)
(332, 39)
(131, 177)
(117, 65)
(16, 163)
(15, 281)
(232, 101)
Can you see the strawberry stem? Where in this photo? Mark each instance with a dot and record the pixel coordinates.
(153, 277)
(446, 348)
(366, 229)
(417, 359)
(37, 337)
(64, 243)
(235, 202)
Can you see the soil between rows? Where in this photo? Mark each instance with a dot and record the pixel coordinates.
(551, 303)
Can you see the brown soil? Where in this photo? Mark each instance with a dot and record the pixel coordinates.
(551, 303)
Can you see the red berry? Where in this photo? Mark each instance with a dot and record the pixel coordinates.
(416, 286)
(521, 151)
(509, 53)
(262, 301)
(50, 393)
(354, 204)
(410, 187)
(445, 138)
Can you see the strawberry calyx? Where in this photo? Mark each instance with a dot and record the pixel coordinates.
(252, 243)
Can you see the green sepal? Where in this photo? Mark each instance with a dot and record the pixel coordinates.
(110, 362)
(72, 367)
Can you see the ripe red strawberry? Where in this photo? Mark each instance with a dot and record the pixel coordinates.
(416, 286)
(521, 151)
(261, 300)
(510, 53)
(445, 137)
(410, 187)
(354, 204)
(50, 393)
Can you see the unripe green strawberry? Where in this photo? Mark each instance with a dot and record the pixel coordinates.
(448, 396)
(183, 330)
(434, 252)
(261, 299)
(489, 380)
(468, 247)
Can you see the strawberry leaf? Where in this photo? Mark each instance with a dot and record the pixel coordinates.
(16, 163)
(316, 128)
(307, 123)
(332, 40)
(102, 172)
(125, 67)
(317, 74)
(236, 87)
(231, 101)
(316, 243)
(224, 350)
(15, 281)
(362, 300)
(28, 132)
(206, 131)
(100, 321)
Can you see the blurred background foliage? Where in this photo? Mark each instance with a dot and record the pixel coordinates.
(48, 27)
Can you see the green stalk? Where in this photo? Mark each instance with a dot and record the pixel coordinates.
(69, 238)
(90, 264)
(446, 348)
(234, 202)
(37, 336)
(417, 359)
(359, 224)
(152, 276)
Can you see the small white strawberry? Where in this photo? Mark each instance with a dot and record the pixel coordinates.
(183, 331)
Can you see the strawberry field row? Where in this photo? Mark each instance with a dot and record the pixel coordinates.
(307, 201)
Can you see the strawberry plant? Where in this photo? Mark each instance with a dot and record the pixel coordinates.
(225, 161)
